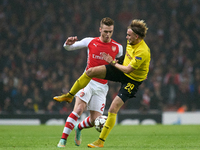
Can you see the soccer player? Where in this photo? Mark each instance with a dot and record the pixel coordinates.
(93, 96)
(131, 74)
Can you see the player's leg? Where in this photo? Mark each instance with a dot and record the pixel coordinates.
(83, 96)
(128, 90)
(94, 115)
(71, 121)
(96, 105)
(112, 113)
(110, 122)
(79, 106)
(98, 100)
(97, 72)
(69, 125)
(89, 121)
(85, 124)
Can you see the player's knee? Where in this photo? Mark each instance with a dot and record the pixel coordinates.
(113, 110)
(97, 72)
(79, 110)
(90, 72)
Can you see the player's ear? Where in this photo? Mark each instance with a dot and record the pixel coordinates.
(137, 36)
(100, 29)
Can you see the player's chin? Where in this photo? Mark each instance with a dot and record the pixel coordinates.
(107, 39)
(131, 42)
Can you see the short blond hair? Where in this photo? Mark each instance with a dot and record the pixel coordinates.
(139, 27)
(106, 21)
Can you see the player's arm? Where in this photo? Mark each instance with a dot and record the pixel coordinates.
(126, 69)
(72, 44)
(135, 63)
(71, 40)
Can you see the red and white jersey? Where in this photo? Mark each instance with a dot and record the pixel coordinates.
(95, 48)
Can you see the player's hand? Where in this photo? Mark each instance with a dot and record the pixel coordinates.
(71, 40)
(107, 58)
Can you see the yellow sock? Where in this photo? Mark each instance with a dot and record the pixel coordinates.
(110, 122)
(80, 83)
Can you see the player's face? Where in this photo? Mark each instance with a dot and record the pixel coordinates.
(131, 37)
(106, 33)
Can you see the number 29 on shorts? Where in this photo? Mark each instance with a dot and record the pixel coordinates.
(129, 87)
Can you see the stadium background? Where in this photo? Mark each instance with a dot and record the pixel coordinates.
(34, 67)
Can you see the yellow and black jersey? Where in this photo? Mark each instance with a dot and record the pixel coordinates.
(138, 56)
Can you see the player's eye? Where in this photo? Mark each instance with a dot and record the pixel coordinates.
(108, 31)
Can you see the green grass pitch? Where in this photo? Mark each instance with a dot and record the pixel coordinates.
(135, 137)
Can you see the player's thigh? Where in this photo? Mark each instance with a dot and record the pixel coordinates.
(97, 72)
(98, 101)
(85, 94)
(79, 106)
(82, 99)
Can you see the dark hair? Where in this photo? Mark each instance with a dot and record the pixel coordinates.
(139, 27)
(107, 21)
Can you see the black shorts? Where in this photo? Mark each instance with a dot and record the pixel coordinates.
(128, 88)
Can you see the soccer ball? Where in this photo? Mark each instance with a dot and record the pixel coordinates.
(99, 122)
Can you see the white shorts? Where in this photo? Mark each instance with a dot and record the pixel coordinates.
(94, 94)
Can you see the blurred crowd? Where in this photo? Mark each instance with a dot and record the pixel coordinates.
(34, 67)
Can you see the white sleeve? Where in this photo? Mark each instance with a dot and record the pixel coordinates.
(78, 44)
(120, 51)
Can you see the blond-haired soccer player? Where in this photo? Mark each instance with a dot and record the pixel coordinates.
(93, 96)
(131, 74)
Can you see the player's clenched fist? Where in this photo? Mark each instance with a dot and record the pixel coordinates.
(71, 40)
